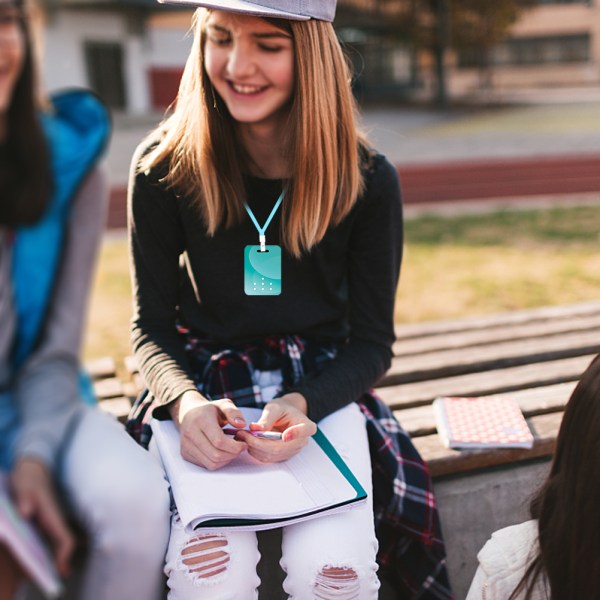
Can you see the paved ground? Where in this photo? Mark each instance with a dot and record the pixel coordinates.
(529, 125)
(417, 136)
(534, 124)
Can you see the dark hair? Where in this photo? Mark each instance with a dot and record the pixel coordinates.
(567, 505)
(25, 179)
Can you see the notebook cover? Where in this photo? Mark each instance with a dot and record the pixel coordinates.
(481, 423)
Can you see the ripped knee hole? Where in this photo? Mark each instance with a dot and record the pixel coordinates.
(339, 583)
(205, 556)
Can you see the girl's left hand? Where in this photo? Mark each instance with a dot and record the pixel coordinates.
(287, 415)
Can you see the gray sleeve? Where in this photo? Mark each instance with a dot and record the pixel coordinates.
(46, 391)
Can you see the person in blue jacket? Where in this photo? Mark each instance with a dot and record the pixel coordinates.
(59, 455)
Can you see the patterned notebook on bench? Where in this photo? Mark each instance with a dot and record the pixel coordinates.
(490, 422)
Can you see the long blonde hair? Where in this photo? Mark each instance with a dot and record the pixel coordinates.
(198, 141)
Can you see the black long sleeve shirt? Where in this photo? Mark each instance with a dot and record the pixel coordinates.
(342, 291)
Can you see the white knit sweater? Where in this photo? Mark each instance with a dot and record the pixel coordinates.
(503, 562)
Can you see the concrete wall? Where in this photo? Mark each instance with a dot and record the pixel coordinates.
(169, 42)
(475, 505)
(558, 20)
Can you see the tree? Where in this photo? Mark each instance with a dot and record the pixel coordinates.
(435, 26)
(425, 25)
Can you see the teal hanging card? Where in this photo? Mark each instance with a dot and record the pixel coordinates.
(262, 271)
(262, 264)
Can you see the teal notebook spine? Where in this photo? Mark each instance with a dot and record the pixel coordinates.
(337, 460)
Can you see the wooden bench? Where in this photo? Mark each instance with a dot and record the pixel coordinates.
(535, 356)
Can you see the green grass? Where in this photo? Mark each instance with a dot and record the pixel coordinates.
(109, 314)
(552, 227)
(453, 267)
(477, 264)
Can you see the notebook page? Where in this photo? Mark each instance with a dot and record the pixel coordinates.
(247, 488)
(22, 540)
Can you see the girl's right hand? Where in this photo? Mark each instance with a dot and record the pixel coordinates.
(202, 439)
(35, 499)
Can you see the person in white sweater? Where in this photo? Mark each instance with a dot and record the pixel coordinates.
(556, 555)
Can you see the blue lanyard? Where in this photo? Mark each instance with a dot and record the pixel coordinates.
(262, 230)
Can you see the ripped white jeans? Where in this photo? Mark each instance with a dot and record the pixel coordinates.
(332, 557)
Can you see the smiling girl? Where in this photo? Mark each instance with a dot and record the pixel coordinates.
(266, 241)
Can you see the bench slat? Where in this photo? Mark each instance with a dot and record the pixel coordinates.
(492, 335)
(108, 388)
(420, 421)
(545, 313)
(485, 383)
(118, 407)
(131, 364)
(101, 368)
(447, 363)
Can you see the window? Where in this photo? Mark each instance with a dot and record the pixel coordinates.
(383, 68)
(104, 62)
(533, 51)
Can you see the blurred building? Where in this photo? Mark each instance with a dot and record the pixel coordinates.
(91, 44)
(554, 44)
(132, 52)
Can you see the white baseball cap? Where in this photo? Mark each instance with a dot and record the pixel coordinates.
(296, 10)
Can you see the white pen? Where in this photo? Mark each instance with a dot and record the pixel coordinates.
(267, 435)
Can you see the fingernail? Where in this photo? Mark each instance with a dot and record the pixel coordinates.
(239, 420)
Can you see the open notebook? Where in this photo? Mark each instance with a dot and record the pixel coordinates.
(247, 494)
(27, 548)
